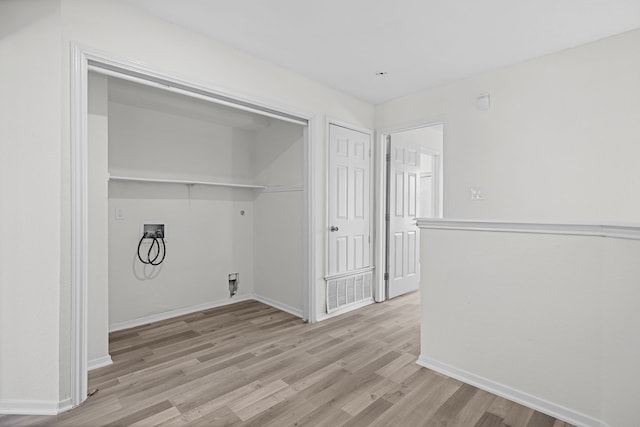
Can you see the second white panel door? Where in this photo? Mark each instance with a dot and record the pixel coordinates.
(404, 241)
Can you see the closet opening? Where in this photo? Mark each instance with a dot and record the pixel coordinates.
(221, 184)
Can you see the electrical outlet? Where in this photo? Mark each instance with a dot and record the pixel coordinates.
(119, 214)
(476, 194)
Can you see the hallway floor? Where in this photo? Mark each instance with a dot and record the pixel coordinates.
(252, 365)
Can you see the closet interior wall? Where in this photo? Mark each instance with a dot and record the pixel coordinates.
(211, 231)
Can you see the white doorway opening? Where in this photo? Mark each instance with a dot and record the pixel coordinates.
(83, 61)
(410, 183)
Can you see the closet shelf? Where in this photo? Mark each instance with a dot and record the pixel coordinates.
(186, 182)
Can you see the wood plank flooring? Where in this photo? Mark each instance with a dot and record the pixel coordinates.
(249, 364)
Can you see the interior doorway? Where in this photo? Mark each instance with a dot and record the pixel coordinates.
(349, 265)
(411, 180)
(224, 186)
(83, 176)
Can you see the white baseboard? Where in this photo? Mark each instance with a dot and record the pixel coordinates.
(345, 309)
(195, 308)
(523, 398)
(65, 405)
(99, 362)
(280, 306)
(175, 313)
(34, 407)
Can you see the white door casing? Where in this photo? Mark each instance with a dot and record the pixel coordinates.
(349, 217)
(403, 233)
(83, 60)
(382, 180)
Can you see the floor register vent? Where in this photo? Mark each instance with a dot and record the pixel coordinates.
(345, 291)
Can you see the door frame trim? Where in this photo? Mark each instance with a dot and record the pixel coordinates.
(380, 201)
(82, 60)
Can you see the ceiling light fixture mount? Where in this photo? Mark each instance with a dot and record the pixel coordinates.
(381, 73)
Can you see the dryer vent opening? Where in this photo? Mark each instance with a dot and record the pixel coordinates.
(234, 278)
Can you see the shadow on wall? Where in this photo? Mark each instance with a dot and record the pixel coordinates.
(28, 13)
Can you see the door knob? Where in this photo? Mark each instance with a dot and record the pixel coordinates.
(333, 228)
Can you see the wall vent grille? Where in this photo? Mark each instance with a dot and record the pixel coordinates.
(349, 290)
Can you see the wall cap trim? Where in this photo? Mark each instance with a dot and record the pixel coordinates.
(611, 230)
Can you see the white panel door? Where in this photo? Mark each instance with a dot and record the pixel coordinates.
(349, 216)
(404, 234)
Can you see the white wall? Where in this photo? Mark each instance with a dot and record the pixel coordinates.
(560, 141)
(550, 316)
(542, 119)
(154, 143)
(98, 254)
(167, 47)
(207, 239)
(206, 236)
(278, 219)
(30, 218)
(430, 140)
(542, 314)
(278, 155)
(620, 375)
(429, 137)
(35, 105)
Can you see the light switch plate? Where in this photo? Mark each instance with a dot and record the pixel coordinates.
(483, 102)
(119, 214)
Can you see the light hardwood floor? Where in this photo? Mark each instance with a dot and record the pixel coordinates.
(249, 364)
